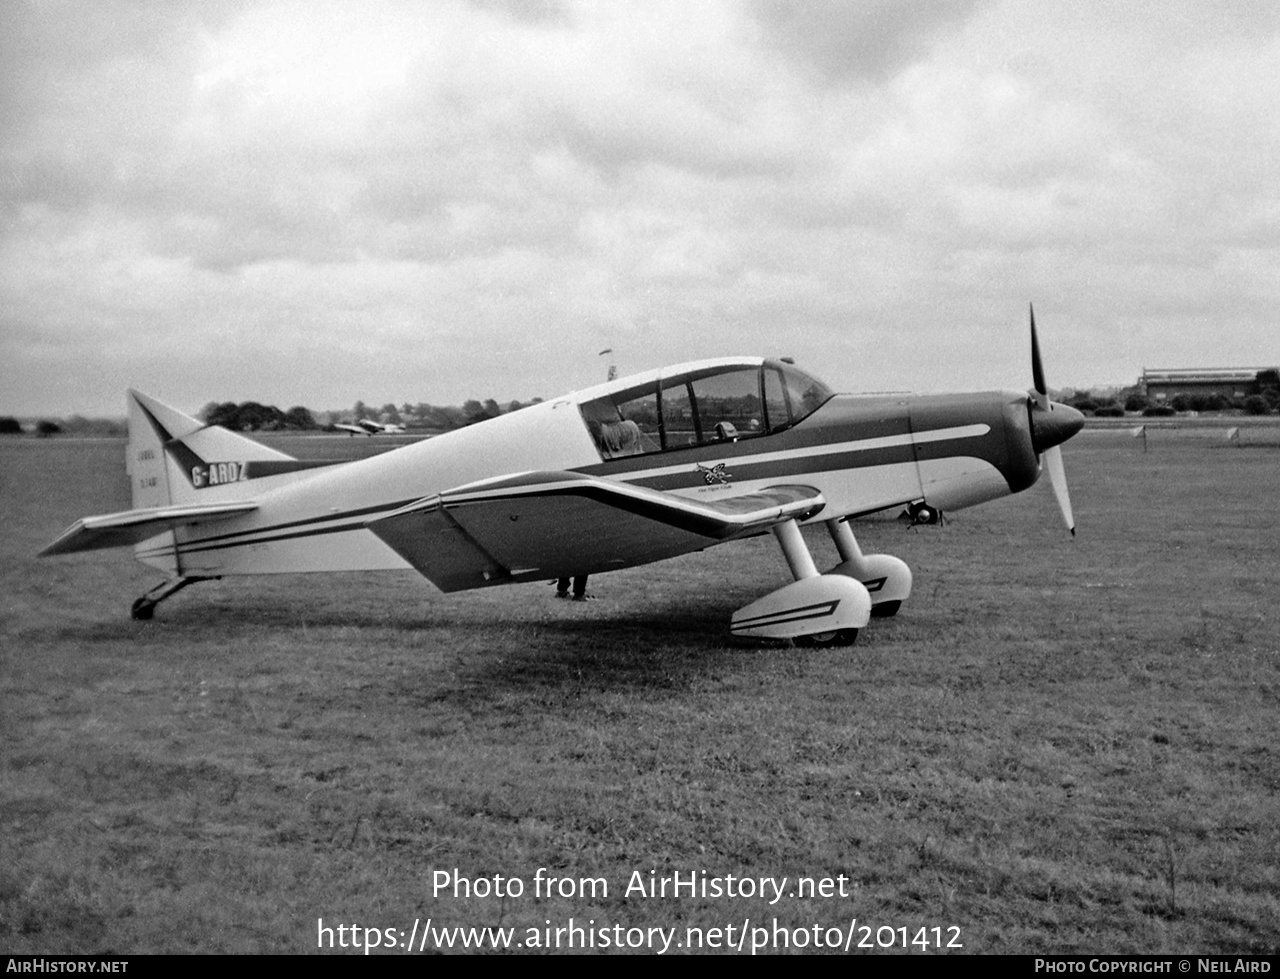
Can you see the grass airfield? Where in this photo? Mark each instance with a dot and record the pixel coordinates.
(1058, 746)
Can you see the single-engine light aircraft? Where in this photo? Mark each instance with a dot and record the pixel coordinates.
(631, 471)
(366, 426)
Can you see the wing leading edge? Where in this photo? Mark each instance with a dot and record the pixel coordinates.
(134, 526)
(552, 524)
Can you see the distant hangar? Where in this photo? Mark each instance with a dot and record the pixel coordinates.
(1230, 382)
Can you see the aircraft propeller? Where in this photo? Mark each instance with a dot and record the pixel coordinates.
(1051, 425)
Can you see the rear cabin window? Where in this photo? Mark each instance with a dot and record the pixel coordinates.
(718, 405)
(625, 424)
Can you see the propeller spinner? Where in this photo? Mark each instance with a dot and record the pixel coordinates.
(1051, 425)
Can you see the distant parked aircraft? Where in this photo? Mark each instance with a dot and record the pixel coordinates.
(366, 427)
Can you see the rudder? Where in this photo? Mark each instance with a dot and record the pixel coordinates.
(152, 425)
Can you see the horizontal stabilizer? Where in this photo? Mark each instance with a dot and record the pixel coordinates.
(134, 526)
(552, 524)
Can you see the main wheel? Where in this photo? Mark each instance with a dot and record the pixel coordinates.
(839, 637)
(885, 609)
(142, 609)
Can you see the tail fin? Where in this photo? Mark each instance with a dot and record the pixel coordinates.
(152, 426)
(176, 459)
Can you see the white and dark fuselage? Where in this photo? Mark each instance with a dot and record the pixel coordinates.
(862, 453)
(623, 474)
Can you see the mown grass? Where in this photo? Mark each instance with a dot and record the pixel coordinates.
(1059, 745)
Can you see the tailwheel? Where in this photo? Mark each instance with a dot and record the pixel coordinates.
(819, 640)
(145, 607)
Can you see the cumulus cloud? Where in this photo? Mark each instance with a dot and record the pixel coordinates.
(870, 41)
(314, 202)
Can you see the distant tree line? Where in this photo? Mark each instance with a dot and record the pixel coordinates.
(1115, 404)
(439, 418)
(73, 425)
(250, 416)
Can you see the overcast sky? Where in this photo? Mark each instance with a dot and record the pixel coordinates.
(314, 202)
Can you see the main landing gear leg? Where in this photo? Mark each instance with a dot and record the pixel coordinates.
(145, 607)
(815, 609)
(795, 550)
(887, 578)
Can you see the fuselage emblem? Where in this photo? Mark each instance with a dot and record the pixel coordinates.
(714, 474)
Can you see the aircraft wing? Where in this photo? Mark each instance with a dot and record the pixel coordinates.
(542, 525)
(134, 526)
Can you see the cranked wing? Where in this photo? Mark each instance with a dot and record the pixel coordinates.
(135, 526)
(554, 524)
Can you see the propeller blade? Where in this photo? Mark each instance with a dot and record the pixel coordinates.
(1050, 430)
(1037, 367)
(1058, 480)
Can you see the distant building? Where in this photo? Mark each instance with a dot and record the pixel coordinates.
(1230, 382)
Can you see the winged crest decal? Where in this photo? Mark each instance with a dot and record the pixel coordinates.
(714, 474)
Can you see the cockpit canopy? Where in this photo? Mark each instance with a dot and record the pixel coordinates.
(702, 405)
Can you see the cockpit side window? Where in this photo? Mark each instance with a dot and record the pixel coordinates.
(625, 424)
(776, 404)
(728, 405)
(791, 395)
(679, 420)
